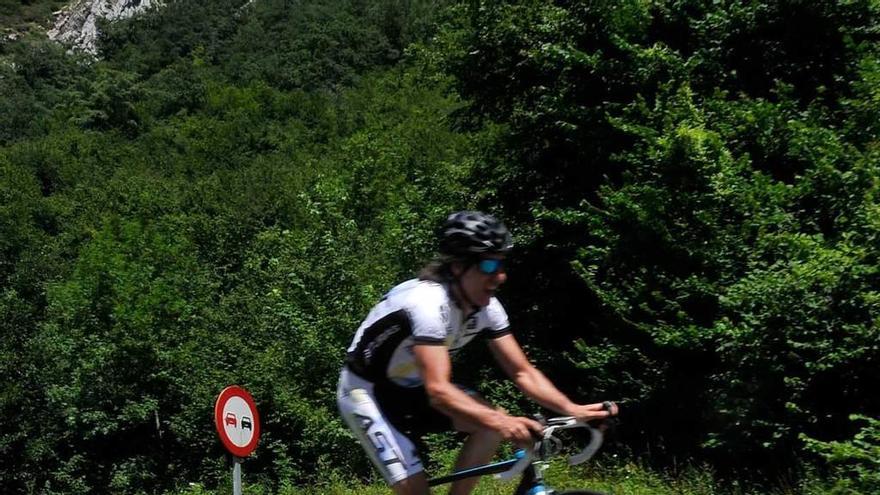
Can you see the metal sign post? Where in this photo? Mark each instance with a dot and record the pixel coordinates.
(236, 475)
(238, 425)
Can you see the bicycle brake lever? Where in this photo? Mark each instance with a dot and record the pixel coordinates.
(553, 424)
(567, 422)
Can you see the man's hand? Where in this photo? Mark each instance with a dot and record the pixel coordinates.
(591, 412)
(519, 430)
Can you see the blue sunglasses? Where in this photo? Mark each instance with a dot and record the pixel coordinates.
(490, 266)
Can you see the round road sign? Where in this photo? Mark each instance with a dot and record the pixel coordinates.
(237, 421)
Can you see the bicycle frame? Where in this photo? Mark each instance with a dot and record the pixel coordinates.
(532, 479)
(530, 483)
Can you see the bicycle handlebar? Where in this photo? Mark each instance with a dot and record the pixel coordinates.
(549, 445)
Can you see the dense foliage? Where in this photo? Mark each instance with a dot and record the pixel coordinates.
(710, 172)
(224, 193)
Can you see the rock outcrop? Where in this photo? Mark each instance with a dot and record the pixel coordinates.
(76, 25)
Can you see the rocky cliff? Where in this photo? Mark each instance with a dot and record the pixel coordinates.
(76, 25)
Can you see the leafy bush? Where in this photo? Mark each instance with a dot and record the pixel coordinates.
(856, 461)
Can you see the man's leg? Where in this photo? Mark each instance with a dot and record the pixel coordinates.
(479, 448)
(393, 454)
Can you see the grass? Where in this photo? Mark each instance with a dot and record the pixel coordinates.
(617, 479)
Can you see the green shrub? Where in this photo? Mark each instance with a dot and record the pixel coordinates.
(855, 462)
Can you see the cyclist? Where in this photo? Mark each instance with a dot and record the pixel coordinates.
(396, 384)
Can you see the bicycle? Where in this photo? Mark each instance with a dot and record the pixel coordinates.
(532, 462)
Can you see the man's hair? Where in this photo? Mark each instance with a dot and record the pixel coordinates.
(440, 268)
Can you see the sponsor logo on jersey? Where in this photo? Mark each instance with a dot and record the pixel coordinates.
(378, 341)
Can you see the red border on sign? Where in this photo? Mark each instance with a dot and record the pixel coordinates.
(228, 393)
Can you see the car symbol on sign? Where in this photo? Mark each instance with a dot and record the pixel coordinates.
(245, 422)
(230, 419)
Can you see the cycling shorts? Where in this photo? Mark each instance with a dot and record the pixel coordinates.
(389, 421)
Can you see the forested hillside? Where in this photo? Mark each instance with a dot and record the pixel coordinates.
(221, 196)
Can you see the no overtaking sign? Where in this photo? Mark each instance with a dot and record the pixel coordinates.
(237, 421)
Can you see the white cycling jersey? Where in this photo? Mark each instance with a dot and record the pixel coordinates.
(416, 312)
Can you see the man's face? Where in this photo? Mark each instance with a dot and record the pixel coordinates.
(480, 280)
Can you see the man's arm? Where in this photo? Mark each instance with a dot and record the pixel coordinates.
(533, 383)
(436, 370)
